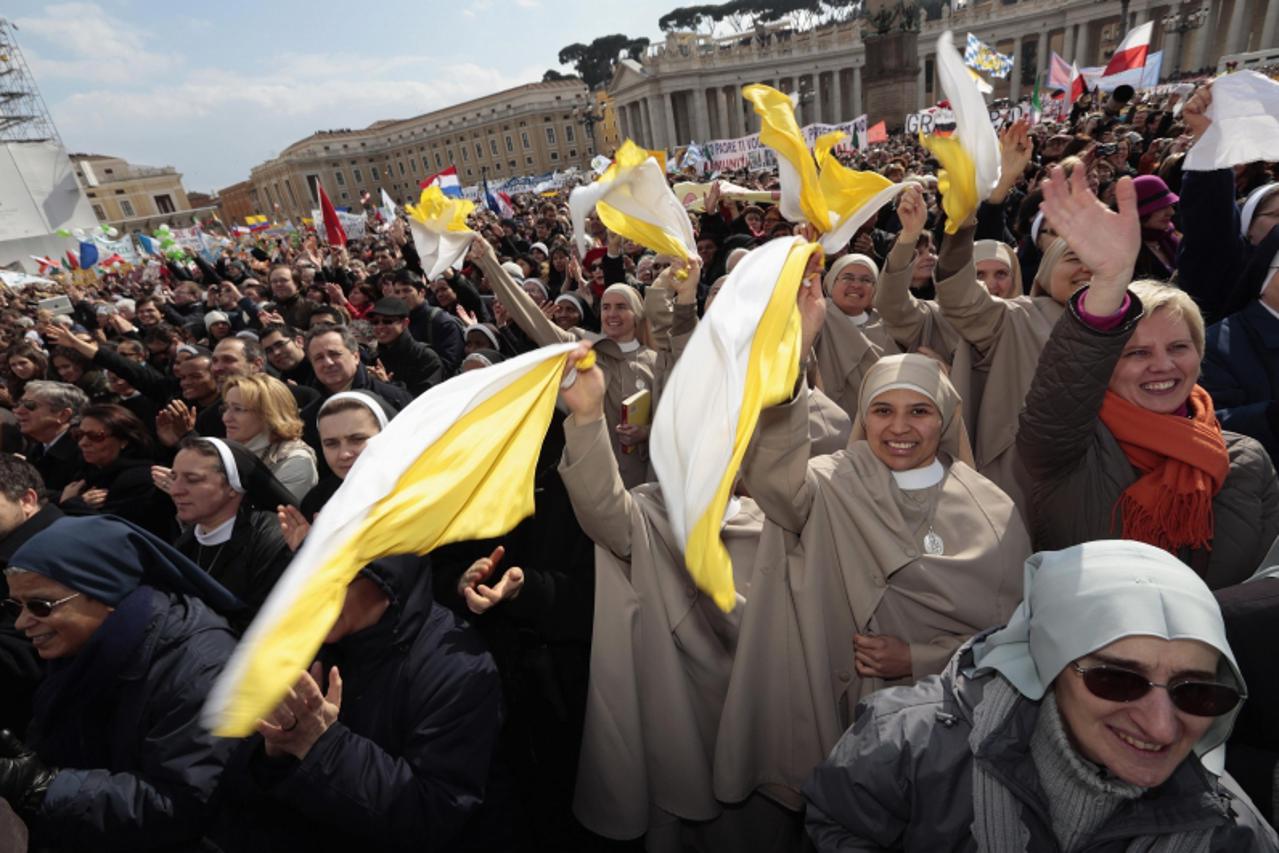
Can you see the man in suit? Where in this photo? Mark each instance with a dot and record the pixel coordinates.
(45, 415)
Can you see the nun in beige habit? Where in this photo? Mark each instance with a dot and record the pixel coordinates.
(661, 652)
(1008, 336)
(625, 348)
(877, 562)
(853, 336)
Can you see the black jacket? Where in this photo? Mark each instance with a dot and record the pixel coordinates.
(1241, 372)
(248, 564)
(414, 364)
(58, 465)
(131, 495)
(121, 718)
(19, 664)
(406, 765)
(157, 386)
(441, 332)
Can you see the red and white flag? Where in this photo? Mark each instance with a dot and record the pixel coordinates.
(1132, 51)
(333, 231)
(1065, 78)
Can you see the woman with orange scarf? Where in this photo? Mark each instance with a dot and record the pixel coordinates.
(1117, 436)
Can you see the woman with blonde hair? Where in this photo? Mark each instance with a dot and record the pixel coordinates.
(261, 413)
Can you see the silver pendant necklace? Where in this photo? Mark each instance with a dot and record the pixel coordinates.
(933, 544)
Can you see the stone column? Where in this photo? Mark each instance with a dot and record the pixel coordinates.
(1082, 47)
(721, 112)
(1237, 35)
(701, 119)
(1172, 54)
(1014, 76)
(1270, 26)
(1204, 39)
(837, 93)
(623, 123)
(920, 90)
(1068, 43)
(1041, 53)
(669, 138)
(815, 112)
(857, 90)
(650, 128)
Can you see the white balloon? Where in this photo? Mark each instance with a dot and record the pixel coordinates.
(78, 233)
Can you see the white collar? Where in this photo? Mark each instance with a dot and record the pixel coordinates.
(56, 439)
(920, 478)
(217, 535)
(858, 319)
(628, 346)
(731, 511)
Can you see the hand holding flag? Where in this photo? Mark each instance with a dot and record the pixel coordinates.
(440, 233)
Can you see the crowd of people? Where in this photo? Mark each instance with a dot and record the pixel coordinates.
(1005, 560)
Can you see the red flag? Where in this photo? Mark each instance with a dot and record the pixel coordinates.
(877, 132)
(72, 262)
(332, 225)
(1132, 51)
(1077, 87)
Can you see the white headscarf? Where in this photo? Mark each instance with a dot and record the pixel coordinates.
(1084, 598)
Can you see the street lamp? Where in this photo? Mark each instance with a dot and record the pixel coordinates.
(588, 118)
(1179, 23)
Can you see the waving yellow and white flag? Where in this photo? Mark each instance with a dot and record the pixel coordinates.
(744, 356)
(831, 197)
(457, 464)
(969, 158)
(633, 199)
(440, 233)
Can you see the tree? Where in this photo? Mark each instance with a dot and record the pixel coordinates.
(552, 75)
(595, 61)
(689, 18)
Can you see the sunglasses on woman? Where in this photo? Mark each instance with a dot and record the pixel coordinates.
(1191, 695)
(37, 607)
(94, 436)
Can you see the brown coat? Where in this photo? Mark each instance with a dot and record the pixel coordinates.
(844, 352)
(662, 652)
(836, 558)
(1008, 335)
(1078, 470)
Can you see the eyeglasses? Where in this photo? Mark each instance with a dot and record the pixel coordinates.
(29, 405)
(37, 607)
(95, 436)
(1194, 696)
(384, 321)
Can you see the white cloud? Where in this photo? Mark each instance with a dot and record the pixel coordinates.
(93, 45)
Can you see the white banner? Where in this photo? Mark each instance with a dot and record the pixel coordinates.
(936, 119)
(745, 152)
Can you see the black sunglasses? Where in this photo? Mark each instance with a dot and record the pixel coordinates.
(379, 320)
(37, 607)
(1194, 696)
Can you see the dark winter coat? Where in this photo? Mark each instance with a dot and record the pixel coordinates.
(412, 363)
(406, 765)
(1079, 471)
(121, 719)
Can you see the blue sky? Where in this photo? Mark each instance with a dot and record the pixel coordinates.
(221, 89)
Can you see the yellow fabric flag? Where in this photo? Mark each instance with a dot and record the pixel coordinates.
(743, 357)
(633, 199)
(956, 180)
(801, 195)
(457, 464)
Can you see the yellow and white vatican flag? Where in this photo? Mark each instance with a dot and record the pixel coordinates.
(969, 158)
(440, 233)
(744, 356)
(833, 198)
(633, 199)
(457, 464)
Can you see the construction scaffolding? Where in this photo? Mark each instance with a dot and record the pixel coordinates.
(23, 114)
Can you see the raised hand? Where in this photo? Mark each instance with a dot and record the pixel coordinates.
(173, 422)
(1107, 242)
(293, 526)
(162, 478)
(466, 316)
(479, 597)
(913, 213)
(1015, 150)
(1193, 112)
(812, 305)
(584, 395)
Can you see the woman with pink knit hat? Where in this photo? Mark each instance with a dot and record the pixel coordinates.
(1160, 240)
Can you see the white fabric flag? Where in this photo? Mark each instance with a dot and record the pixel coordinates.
(1245, 123)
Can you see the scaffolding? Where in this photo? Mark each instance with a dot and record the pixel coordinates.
(23, 114)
